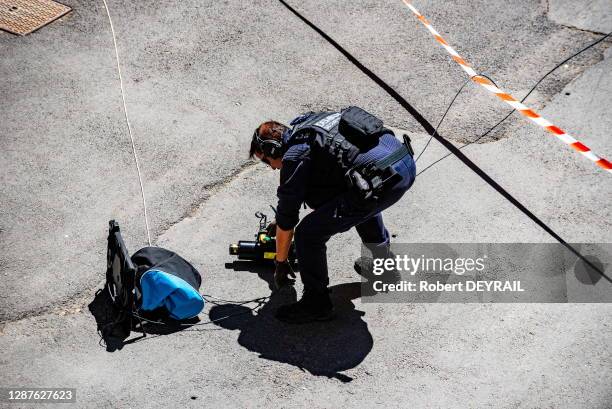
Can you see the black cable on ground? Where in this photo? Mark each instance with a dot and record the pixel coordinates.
(511, 112)
(260, 302)
(432, 131)
(446, 112)
(442, 119)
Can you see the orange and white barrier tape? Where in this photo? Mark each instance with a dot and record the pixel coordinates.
(510, 100)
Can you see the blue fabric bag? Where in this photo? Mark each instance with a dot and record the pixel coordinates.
(166, 283)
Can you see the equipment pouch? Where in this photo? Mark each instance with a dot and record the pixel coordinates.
(360, 128)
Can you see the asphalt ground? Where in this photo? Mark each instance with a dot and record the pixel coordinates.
(199, 78)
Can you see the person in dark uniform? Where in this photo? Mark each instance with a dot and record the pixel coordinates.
(348, 168)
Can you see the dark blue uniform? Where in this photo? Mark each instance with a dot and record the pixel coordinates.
(309, 177)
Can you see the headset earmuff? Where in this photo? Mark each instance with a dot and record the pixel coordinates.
(269, 147)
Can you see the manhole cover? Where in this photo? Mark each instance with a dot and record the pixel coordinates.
(24, 16)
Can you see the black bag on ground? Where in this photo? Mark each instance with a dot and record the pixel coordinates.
(167, 283)
(153, 279)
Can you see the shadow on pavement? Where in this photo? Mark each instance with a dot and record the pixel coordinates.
(114, 327)
(322, 348)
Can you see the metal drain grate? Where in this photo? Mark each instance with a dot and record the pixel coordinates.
(24, 16)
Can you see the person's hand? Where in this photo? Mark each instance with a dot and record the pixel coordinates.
(271, 229)
(282, 272)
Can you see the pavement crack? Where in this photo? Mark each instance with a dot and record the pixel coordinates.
(209, 190)
(73, 304)
(581, 29)
(552, 20)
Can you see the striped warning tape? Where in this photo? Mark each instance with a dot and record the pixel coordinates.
(510, 100)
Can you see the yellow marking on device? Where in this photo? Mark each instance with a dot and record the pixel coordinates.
(269, 255)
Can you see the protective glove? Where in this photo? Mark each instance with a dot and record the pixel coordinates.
(271, 229)
(282, 272)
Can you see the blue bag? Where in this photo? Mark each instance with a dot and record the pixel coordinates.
(166, 283)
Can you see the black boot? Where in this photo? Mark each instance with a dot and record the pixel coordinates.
(313, 306)
(364, 266)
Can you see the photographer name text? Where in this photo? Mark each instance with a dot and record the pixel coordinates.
(437, 286)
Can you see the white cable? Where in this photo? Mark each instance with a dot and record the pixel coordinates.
(127, 120)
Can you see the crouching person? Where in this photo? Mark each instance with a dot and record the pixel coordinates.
(348, 168)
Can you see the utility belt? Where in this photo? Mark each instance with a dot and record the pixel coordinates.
(370, 180)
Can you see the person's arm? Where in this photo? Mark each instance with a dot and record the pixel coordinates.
(283, 242)
(291, 192)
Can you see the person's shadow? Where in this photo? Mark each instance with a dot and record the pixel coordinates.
(321, 348)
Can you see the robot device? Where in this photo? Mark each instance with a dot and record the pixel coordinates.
(263, 248)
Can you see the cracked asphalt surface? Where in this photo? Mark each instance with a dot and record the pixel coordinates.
(199, 76)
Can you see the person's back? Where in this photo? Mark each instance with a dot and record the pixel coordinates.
(325, 177)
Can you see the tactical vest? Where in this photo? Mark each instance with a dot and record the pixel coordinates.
(320, 131)
(328, 134)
